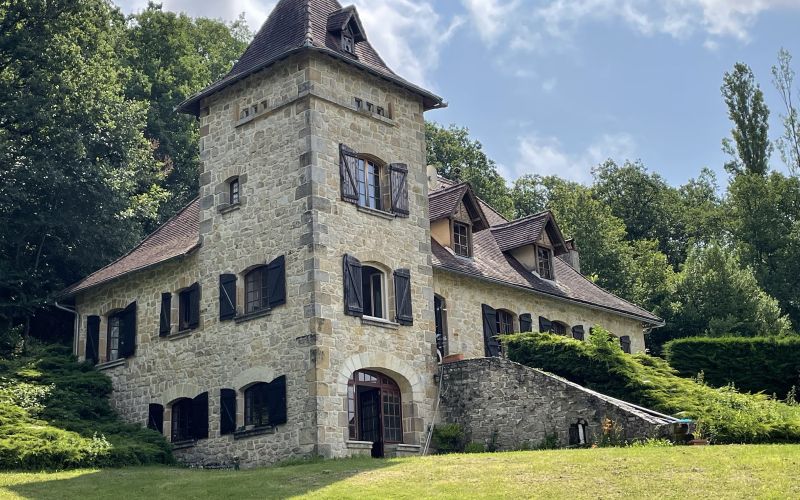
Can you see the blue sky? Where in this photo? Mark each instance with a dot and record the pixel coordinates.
(557, 86)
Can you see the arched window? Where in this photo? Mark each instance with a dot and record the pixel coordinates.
(440, 312)
(505, 322)
(265, 403)
(374, 409)
(255, 292)
(559, 328)
(114, 332)
(370, 184)
(181, 420)
(373, 282)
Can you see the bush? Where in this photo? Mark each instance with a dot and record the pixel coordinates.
(725, 415)
(449, 438)
(55, 414)
(475, 448)
(755, 364)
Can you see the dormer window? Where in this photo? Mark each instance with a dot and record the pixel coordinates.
(348, 45)
(461, 239)
(544, 258)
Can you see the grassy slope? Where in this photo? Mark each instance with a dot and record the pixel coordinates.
(753, 471)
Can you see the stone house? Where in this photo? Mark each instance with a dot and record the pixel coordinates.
(302, 305)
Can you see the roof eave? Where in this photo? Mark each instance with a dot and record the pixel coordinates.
(191, 105)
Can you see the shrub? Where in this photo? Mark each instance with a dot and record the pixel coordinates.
(725, 415)
(55, 414)
(474, 447)
(755, 364)
(449, 438)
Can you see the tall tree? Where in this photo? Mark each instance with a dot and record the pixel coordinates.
(789, 144)
(746, 109)
(460, 158)
(79, 176)
(529, 195)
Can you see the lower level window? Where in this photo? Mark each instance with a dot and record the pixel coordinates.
(505, 322)
(114, 323)
(182, 420)
(255, 405)
(559, 328)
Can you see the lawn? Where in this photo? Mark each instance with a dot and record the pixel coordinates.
(760, 471)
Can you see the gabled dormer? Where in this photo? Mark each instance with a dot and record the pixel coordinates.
(345, 27)
(455, 214)
(534, 241)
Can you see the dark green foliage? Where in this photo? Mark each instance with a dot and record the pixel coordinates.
(55, 414)
(725, 415)
(449, 438)
(759, 364)
(751, 147)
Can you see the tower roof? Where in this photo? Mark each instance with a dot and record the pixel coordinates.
(298, 25)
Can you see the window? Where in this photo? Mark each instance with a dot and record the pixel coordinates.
(121, 334)
(114, 323)
(381, 111)
(233, 191)
(255, 292)
(182, 420)
(559, 328)
(374, 408)
(577, 433)
(370, 107)
(265, 286)
(189, 308)
(625, 343)
(544, 257)
(369, 183)
(265, 403)
(359, 104)
(440, 313)
(347, 43)
(505, 322)
(155, 417)
(461, 237)
(373, 293)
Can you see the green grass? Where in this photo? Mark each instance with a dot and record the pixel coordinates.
(737, 471)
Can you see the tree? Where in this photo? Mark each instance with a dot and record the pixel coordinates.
(79, 178)
(750, 116)
(172, 57)
(528, 195)
(702, 216)
(789, 144)
(459, 158)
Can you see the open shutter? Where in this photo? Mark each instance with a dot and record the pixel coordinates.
(348, 166)
(93, 339)
(525, 323)
(353, 291)
(398, 177)
(227, 411)
(200, 416)
(194, 306)
(227, 296)
(490, 343)
(155, 417)
(402, 297)
(127, 334)
(166, 313)
(577, 332)
(276, 401)
(276, 282)
(545, 325)
(625, 343)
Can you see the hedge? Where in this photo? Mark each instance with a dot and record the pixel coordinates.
(724, 415)
(753, 364)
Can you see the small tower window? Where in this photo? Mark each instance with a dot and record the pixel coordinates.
(347, 43)
(234, 191)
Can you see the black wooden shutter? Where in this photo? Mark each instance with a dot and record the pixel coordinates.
(625, 343)
(402, 297)
(155, 417)
(545, 325)
(398, 176)
(127, 337)
(227, 296)
(353, 291)
(276, 282)
(490, 343)
(194, 306)
(525, 323)
(348, 166)
(577, 332)
(199, 420)
(574, 435)
(93, 339)
(227, 411)
(276, 401)
(166, 314)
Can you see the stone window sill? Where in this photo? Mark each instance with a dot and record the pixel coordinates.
(182, 445)
(383, 323)
(179, 335)
(359, 445)
(256, 431)
(251, 316)
(378, 213)
(111, 364)
(226, 208)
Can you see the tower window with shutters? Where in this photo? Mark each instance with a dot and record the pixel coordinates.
(373, 292)
(369, 184)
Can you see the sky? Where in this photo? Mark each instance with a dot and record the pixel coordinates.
(558, 86)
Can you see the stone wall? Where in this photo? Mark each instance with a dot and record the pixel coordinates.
(464, 295)
(495, 399)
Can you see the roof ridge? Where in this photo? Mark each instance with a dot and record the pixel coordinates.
(524, 219)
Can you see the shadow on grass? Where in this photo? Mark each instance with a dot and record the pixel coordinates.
(171, 482)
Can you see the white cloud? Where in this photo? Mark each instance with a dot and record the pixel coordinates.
(546, 156)
(490, 16)
(549, 85)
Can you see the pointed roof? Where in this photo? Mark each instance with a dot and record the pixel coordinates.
(445, 202)
(528, 230)
(298, 25)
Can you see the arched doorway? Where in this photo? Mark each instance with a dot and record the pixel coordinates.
(374, 410)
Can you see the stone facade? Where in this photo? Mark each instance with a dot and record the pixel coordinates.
(512, 406)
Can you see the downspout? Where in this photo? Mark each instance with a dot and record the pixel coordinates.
(75, 327)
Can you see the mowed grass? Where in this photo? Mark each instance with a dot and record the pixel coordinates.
(753, 471)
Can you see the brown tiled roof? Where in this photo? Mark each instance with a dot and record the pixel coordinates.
(492, 216)
(521, 232)
(177, 237)
(445, 202)
(296, 25)
(490, 263)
